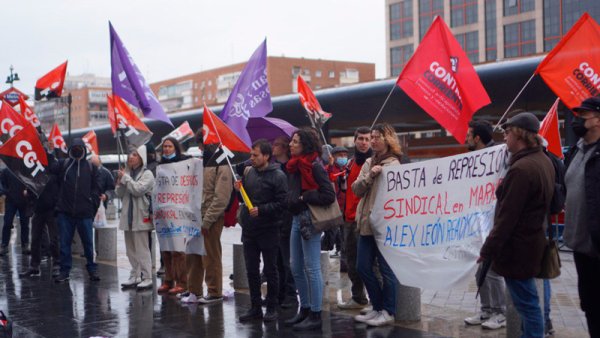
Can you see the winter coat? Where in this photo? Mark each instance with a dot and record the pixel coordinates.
(16, 191)
(217, 189)
(517, 240)
(324, 195)
(267, 189)
(136, 190)
(365, 187)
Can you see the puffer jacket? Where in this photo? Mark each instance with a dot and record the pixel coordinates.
(365, 187)
(136, 190)
(217, 188)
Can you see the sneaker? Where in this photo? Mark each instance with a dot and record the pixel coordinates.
(478, 318)
(548, 328)
(94, 277)
(211, 299)
(31, 273)
(182, 294)
(336, 254)
(351, 304)
(495, 322)
(55, 271)
(4, 250)
(191, 298)
(366, 309)
(63, 277)
(368, 316)
(160, 271)
(175, 290)
(145, 284)
(383, 318)
(132, 282)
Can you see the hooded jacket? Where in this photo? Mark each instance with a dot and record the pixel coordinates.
(136, 190)
(79, 195)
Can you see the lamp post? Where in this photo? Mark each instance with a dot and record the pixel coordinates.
(12, 77)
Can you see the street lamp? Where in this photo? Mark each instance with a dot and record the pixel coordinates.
(12, 77)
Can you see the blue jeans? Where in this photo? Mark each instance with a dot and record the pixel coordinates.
(67, 226)
(9, 215)
(526, 300)
(547, 296)
(382, 298)
(305, 263)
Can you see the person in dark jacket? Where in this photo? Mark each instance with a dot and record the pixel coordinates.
(78, 201)
(582, 208)
(106, 181)
(44, 220)
(308, 183)
(516, 243)
(18, 199)
(266, 186)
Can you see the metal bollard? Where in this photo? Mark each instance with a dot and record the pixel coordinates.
(408, 303)
(240, 278)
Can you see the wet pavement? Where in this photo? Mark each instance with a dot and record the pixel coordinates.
(81, 308)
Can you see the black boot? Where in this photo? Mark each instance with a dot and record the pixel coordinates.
(300, 316)
(255, 312)
(271, 315)
(312, 322)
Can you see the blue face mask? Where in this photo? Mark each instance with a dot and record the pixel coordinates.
(169, 157)
(341, 161)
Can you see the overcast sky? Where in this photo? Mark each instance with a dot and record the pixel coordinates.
(177, 37)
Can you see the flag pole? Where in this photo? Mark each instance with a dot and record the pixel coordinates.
(384, 103)
(513, 102)
(320, 128)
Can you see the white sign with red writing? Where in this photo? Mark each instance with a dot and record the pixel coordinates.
(430, 218)
(176, 203)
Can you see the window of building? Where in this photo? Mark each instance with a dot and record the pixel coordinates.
(306, 72)
(560, 15)
(470, 44)
(428, 10)
(519, 39)
(401, 22)
(296, 71)
(491, 45)
(331, 74)
(399, 56)
(317, 73)
(463, 12)
(512, 7)
(209, 83)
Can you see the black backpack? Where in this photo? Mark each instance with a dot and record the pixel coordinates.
(557, 204)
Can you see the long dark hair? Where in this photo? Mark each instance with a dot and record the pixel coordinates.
(309, 140)
(176, 144)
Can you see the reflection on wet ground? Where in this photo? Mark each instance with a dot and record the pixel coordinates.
(80, 308)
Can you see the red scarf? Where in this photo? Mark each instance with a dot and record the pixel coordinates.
(304, 164)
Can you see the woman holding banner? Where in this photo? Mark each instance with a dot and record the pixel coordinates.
(134, 185)
(308, 183)
(386, 152)
(175, 280)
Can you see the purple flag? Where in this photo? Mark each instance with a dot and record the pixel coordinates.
(129, 83)
(250, 96)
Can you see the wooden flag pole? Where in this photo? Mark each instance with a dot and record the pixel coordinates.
(383, 106)
(513, 102)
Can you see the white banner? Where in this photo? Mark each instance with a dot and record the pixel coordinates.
(430, 218)
(176, 202)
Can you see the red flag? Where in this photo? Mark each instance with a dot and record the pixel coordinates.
(91, 143)
(572, 68)
(549, 130)
(183, 133)
(122, 118)
(25, 156)
(311, 104)
(57, 139)
(12, 95)
(28, 113)
(51, 84)
(10, 122)
(440, 78)
(215, 131)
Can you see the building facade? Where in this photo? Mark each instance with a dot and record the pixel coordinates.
(214, 86)
(488, 30)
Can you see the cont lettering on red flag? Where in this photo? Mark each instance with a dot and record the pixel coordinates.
(122, 118)
(28, 113)
(549, 130)
(51, 84)
(442, 81)
(57, 139)
(572, 68)
(25, 156)
(91, 143)
(228, 144)
(10, 122)
(311, 104)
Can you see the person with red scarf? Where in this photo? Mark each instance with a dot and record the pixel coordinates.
(308, 183)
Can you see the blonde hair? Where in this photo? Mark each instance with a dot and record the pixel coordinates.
(390, 138)
(530, 138)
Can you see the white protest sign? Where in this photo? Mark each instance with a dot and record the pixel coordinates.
(430, 218)
(176, 202)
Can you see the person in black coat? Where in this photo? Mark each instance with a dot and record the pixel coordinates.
(266, 187)
(106, 181)
(18, 199)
